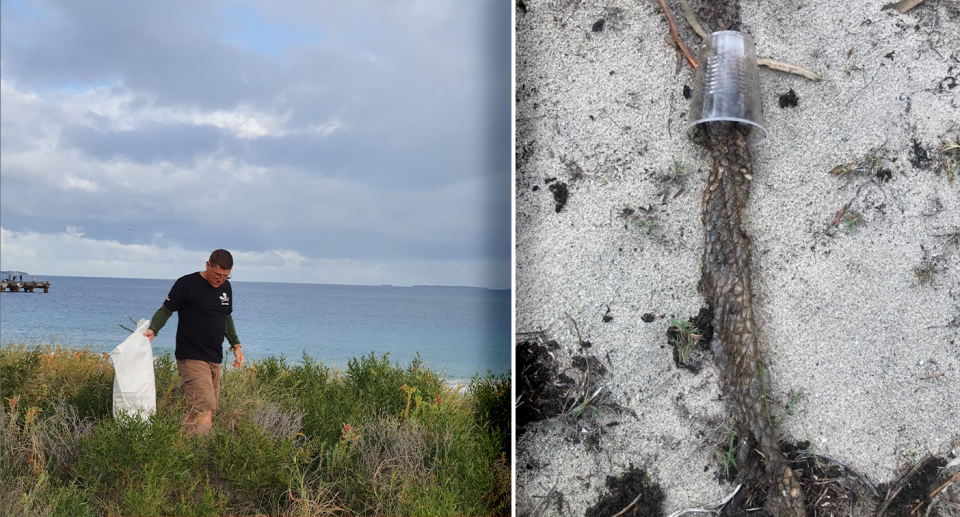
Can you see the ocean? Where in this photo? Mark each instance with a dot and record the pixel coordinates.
(457, 330)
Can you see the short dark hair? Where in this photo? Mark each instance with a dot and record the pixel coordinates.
(221, 258)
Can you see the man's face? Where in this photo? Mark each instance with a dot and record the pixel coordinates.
(216, 275)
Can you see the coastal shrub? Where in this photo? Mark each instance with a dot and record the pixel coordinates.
(145, 492)
(168, 385)
(37, 376)
(272, 372)
(129, 459)
(327, 409)
(69, 499)
(288, 439)
(207, 500)
(60, 437)
(377, 382)
(464, 456)
(18, 366)
(492, 404)
(255, 465)
(393, 456)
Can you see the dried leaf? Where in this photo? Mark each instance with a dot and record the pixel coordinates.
(840, 170)
(787, 67)
(838, 217)
(902, 6)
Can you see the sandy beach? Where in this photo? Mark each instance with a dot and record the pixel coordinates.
(859, 316)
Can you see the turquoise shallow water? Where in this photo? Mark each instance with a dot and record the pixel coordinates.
(461, 330)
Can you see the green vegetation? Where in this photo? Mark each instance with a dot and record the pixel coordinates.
(950, 152)
(288, 439)
(852, 221)
(685, 339)
(647, 226)
(730, 455)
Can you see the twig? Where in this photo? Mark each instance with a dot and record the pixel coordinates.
(931, 376)
(903, 5)
(774, 64)
(546, 498)
(676, 35)
(124, 328)
(901, 484)
(943, 487)
(621, 512)
(787, 67)
(692, 19)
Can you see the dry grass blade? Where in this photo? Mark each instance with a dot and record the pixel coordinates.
(789, 68)
(710, 508)
(692, 19)
(902, 6)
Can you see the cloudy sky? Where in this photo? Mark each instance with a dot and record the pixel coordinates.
(361, 142)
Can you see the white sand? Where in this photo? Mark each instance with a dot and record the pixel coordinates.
(840, 317)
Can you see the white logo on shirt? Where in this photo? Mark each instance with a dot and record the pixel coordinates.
(224, 299)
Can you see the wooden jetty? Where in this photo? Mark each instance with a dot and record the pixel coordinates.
(27, 287)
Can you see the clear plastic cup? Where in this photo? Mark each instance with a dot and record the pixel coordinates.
(727, 85)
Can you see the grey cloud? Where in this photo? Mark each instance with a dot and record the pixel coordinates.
(174, 143)
(424, 145)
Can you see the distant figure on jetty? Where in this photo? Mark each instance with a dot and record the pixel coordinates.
(204, 301)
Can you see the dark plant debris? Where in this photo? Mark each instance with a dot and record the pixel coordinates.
(909, 494)
(590, 365)
(884, 175)
(633, 494)
(598, 26)
(560, 195)
(647, 318)
(789, 99)
(919, 158)
(538, 396)
(829, 486)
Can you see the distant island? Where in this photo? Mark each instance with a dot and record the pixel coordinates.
(13, 273)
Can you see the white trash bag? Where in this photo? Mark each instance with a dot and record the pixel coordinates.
(134, 387)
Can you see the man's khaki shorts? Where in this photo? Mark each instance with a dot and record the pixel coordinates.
(201, 382)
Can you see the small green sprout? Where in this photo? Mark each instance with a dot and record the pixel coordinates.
(686, 338)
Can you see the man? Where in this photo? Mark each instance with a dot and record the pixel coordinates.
(204, 301)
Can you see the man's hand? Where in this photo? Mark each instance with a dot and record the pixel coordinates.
(150, 335)
(238, 362)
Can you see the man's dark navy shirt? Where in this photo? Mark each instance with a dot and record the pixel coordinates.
(203, 311)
